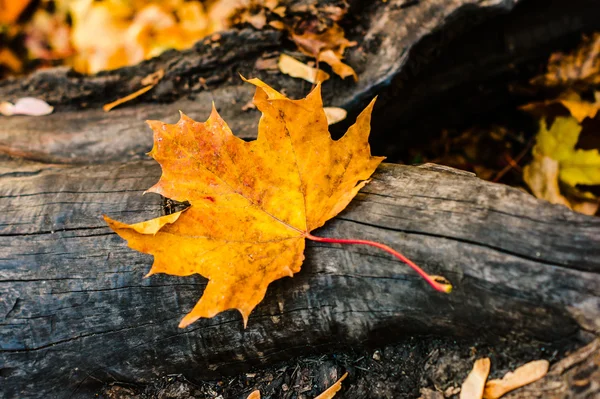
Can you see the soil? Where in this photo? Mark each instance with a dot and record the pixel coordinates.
(433, 367)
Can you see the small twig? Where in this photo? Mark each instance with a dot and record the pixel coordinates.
(514, 163)
(150, 80)
(358, 360)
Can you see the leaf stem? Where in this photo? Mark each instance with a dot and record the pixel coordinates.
(442, 287)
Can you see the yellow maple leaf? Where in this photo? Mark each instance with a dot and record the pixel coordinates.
(253, 204)
(577, 166)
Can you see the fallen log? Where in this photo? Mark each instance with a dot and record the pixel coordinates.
(75, 310)
(418, 56)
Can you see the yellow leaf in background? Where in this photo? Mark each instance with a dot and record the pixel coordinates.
(583, 167)
(555, 158)
(581, 109)
(572, 101)
(11, 9)
(98, 51)
(134, 31)
(558, 142)
(576, 166)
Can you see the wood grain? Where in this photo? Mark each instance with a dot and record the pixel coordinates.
(75, 309)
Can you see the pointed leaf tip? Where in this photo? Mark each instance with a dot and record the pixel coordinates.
(187, 320)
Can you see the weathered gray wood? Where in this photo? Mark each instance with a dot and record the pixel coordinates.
(75, 310)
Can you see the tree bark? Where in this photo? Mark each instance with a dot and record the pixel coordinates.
(75, 309)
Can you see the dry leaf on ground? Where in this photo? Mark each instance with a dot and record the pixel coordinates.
(474, 384)
(335, 114)
(296, 69)
(334, 60)
(26, 106)
(253, 204)
(254, 395)
(522, 376)
(328, 394)
(328, 47)
(580, 67)
(541, 175)
(581, 109)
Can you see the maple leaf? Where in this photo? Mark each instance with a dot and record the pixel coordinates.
(328, 47)
(572, 103)
(555, 158)
(253, 204)
(577, 166)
